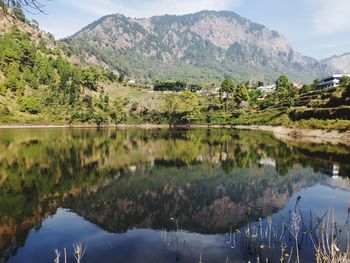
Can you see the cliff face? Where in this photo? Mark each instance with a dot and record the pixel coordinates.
(207, 45)
(340, 64)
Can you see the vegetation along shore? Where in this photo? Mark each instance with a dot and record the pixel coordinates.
(200, 137)
(43, 82)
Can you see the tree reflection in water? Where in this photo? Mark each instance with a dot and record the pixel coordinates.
(207, 179)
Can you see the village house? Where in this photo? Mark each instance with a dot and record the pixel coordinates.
(331, 81)
(267, 89)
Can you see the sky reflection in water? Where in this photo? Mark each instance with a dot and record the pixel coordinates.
(116, 190)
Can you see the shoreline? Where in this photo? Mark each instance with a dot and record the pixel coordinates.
(143, 126)
(302, 135)
(285, 133)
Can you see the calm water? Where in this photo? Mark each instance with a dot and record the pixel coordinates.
(122, 192)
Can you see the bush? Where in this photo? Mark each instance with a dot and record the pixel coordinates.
(177, 86)
(2, 90)
(30, 105)
(321, 113)
(4, 111)
(341, 125)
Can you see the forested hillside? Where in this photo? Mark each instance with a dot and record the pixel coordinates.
(42, 83)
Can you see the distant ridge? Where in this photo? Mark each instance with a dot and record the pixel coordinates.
(203, 46)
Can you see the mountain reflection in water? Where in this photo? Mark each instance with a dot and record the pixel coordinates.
(58, 186)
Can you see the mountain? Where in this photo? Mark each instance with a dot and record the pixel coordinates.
(340, 64)
(203, 46)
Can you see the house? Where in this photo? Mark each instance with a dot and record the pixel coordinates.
(267, 89)
(331, 81)
(267, 161)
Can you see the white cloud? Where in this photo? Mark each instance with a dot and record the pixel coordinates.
(330, 16)
(137, 8)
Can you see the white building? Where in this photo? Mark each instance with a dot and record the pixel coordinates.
(267, 89)
(331, 81)
(267, 161)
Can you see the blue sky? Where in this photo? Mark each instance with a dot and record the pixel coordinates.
(316, 28)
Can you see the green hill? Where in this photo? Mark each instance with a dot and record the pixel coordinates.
(41, 83)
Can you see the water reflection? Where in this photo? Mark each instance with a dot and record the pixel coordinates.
(209, 180)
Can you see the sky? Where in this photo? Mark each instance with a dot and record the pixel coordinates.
(315, 28)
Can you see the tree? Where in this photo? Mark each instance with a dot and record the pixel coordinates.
(176, 86)
(118, 111)
(34, 23)
(89, 79)
(194, 87)
(227, 87)
(283, 82)
(306, 88)
(182, 108)
(30, 104)
(344, 81)
(111, 76)
(284, 92)
(121, 78)
(30, 78)
(254, 95)
(241, 93)
(269, 101)
(12, 77)
(29, 5)
(260, 83)
(103, 101)
(189, 107)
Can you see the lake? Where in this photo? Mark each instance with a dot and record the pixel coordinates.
(137, 195)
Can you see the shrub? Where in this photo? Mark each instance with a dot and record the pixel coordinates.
(4, 111)
(30, 104)
(321, 113)
(2, 90)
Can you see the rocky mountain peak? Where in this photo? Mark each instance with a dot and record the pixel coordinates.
(207, 44)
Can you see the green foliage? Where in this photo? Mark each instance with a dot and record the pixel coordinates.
(117, 111)
(121, 78)
(227, 86)
(111, 76)
(2, 89)
(241, 93)
(103, 101)
(182, 108)
(321, 113)
(283, 82)
(341, 125)
(30, 105)
(30, 78)
(177, 86)
(344, 81)
(254, 95)
(306, 88)
(194, 87)
(284, 92)
(90, 78)
(58, 84)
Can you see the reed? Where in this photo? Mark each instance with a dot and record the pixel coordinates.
(79, 251)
